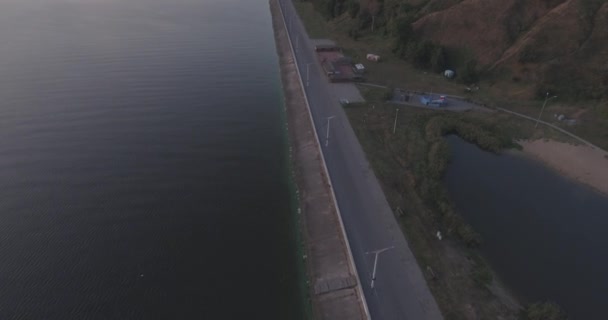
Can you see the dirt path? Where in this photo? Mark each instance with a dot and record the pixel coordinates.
(579, 162)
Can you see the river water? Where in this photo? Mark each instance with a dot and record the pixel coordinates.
(143, 170)
(543, 233)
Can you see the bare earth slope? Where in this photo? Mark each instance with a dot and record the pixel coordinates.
(553, 43)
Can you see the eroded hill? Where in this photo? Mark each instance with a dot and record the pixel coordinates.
(554, 45)
(560, 45)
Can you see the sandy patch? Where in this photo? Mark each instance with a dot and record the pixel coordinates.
(580, 162)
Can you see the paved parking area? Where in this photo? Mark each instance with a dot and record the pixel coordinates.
(346, 90)
(413, 100)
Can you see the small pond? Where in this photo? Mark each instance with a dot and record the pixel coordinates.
(544, 234)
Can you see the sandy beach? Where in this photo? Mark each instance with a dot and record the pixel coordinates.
(579, 162)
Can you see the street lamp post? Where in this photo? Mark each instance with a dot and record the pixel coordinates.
(327, 135)
(543, 108)
(376, 254)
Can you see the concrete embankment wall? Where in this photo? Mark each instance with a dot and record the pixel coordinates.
(333, 284)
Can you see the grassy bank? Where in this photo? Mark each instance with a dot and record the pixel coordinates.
(410, 164)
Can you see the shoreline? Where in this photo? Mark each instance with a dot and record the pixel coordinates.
(580, 163)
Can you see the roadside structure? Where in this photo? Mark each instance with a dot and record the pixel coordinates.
(337, 67)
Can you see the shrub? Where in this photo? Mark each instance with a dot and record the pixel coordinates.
(405, 33)
(588, 8)
(438, 59)
(329, 10)
(482, 274)
(469, 74)
(421, 57)
(543, 311)
(529, 55)
(466, 233)
(354, 33)
(438, 159)
(364, 19)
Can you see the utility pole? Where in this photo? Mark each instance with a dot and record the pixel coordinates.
(543, 108)
(395, 125)
(297, 41)
(327, 135)
(376, 254)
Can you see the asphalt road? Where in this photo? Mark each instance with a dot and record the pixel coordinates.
(400, 290)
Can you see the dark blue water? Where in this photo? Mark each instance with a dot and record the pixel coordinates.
(544, 234)
(142, 162)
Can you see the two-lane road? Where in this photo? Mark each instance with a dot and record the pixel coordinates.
(400, 290)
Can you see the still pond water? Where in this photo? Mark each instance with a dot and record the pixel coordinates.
(143, 162)
(543, 233)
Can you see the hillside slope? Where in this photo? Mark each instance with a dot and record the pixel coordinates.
(559, 45)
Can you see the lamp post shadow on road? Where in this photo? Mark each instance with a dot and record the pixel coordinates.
(327, 135)
(297, 42)
(376, 254)
(308, 73)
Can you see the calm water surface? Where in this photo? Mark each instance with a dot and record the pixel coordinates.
(543, 233)
(142, 162)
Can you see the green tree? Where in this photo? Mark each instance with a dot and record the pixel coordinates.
(469, 72)
(405, 33)
(422, 54)
(364, 19)
(353, 8)
(330, 7)
(438, 59)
